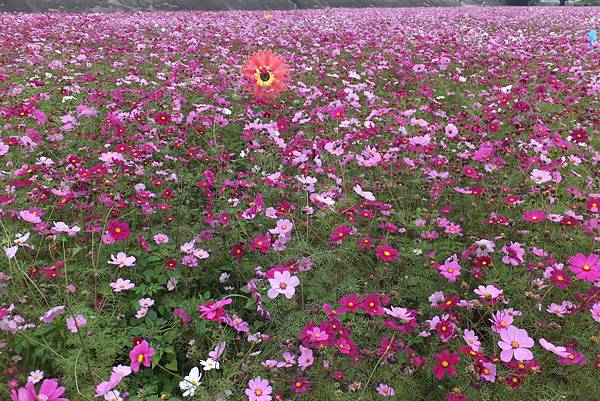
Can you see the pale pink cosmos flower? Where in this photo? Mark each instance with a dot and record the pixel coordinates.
(488, 293)
(472, 340)
(61, 227)
(141, 313)
(160, 239)
(30, 217)
(556, 309)
(283, 227)
(385, 390)
(306, 358)
(146, 302)
(283, 283)
(74, 323)
(557, 350)
(122, 260)
(35, 376)
(501, 321)
(122, 285)
(488, 371)
(540, 176)
(365, 194)
(595, 310)
(515, 343)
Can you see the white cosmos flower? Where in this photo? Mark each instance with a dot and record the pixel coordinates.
(191, 382)
(210, 364)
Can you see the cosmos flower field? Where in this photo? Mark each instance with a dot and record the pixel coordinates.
(320, 205)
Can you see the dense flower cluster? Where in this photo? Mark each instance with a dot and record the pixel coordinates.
(311, 205)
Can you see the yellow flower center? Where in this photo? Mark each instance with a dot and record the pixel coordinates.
(298, 384)
(117, 230)
(514, 344)
(444, 364)
(283, 286)
(386, 253)
(586, 268)
(264, 77)
(258, 392)
(141, 358)
(503, 324)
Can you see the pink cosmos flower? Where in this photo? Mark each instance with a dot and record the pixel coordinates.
(472, 340)
(74, 323)
(572, 358)
(514, 344)
(214, 310)
(450, 269)
(488, 371)
(365, 194)
(50, 391)
(513, 254)
(557, 350)
(30, 217)
(540, 176)
(160, 238)
(385, 390)
(261, 243)
(585, 267)
(501, 321)
(283, 226)
(489, 293)
(534, 216)
(317, 335)
(26, 393)
(122, 285)
(259, 390)
(306, 358)
(52, 314)
(596, 312)
(122, 260)
(141, 354)
(386, 253)
(349, 303)
(283, 283)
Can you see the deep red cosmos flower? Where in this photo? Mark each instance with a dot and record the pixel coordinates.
(446, 361)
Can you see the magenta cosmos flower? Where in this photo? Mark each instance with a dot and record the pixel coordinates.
(49, 391)
(259, 390)
(283, 283)
(118, 230)
(446, 361)
(514, 344)
(534, 216)
(585, 267)
(386, 253)
(141, 354)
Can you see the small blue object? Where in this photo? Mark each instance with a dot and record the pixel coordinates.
(592, 36)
